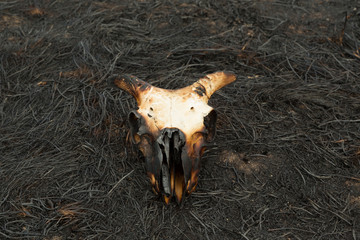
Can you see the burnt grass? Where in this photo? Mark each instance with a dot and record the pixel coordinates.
(285, 163)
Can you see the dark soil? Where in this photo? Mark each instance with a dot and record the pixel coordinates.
(285, 163)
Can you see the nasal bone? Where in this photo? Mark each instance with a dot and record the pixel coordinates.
(172, 142)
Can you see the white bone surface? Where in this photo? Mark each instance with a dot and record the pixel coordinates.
(180, 109)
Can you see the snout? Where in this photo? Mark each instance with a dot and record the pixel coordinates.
(172, 157)
(175, 163)
(178, 171)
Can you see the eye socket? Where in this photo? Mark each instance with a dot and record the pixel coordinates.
(151, 109)
(192, 108)
(210, 124)
(135, 121)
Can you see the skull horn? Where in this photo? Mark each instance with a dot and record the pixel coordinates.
(131, 84)
(212, 82)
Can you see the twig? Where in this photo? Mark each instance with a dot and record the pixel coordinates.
(112, 189)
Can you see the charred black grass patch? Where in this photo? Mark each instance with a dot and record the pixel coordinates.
(284, 163)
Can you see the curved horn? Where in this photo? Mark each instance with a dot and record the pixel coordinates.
(213, 82)
(130, 84)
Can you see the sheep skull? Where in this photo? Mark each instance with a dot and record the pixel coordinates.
(171, 128)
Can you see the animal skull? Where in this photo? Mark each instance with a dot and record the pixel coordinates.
(171, 128)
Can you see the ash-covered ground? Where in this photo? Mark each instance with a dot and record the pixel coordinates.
(285, 163)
